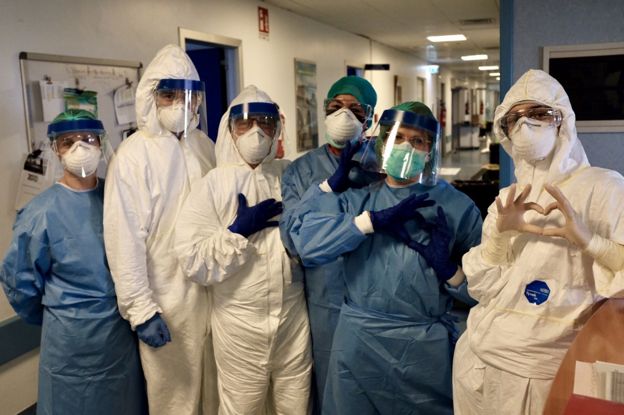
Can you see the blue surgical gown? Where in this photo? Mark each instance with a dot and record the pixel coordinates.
(393, 346)
(324, 285)
(55, 274)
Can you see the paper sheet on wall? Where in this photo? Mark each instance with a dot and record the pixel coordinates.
(52, 99)
(124, 104)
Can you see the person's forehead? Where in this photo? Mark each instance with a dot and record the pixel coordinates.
(347, 99)
(72, 134)
(410, 132)
(525, 106)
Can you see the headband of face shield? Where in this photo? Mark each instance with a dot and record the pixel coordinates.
(255, 126)
(81, 144)
(543, 114)
(407, 146)
(178, 102)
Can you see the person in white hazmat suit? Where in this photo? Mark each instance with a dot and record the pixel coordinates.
(551, 248)
(146, 184)
(226, 237)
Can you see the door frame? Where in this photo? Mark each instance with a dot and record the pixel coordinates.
(233, 55)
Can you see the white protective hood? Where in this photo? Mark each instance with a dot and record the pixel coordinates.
(171, 62)
(568, 154)
(226, 151)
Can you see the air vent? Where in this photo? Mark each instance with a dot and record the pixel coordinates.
(477, 22)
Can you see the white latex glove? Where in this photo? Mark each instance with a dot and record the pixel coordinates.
(574, 229)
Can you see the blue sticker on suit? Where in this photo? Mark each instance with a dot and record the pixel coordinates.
(537, 292)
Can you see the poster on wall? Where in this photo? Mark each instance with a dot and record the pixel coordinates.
(305, 90)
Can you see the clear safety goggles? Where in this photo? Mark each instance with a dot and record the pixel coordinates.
(543, 114)
(66, 141)
(263, 114)
(405, 140)
(363, 112)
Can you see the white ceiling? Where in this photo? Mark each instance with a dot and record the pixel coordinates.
(405, 25)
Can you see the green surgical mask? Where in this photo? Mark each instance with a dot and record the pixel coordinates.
(405, 162)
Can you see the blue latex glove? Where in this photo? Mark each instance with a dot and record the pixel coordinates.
(437, 252)
(250, 220)
(339, 181)
(392, 220)
(154, 332)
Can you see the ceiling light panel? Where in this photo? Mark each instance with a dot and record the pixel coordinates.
(474, 57)
(446, 38)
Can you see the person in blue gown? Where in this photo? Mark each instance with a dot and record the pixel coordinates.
(402, 240)
(348, 110)
(55, 275)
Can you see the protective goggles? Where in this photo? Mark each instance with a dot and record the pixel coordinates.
(67, 140)
(362, 112)
(171, 91)
(264, 114)
(543, 114)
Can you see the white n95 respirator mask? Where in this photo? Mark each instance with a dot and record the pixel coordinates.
(342, 126)
(532, 140)
(254, 145)
(81, 159)
(176, 118)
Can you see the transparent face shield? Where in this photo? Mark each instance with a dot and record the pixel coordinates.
(81, 145)
(181, 105)
(408, 146)
(263, 115)
(539, 113)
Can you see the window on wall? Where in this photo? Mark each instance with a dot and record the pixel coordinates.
(420, 89)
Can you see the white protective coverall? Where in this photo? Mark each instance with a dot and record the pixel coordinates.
(259, 320)
(147, 182)
(506, 360)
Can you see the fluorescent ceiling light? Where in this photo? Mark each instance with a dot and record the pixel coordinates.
(498, 78)
(494, 73)
(489, 68)
(474, 58)
(446, 38)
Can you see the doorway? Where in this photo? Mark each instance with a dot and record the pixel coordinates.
(218, 60)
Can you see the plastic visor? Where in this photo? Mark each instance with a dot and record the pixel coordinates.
(263, 114)
(181, 105)
(64, 142)
(395, 128)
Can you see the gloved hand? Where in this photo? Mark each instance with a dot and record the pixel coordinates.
(511, 216)
(392, 220)
(154, 332)
(250, 220)
(574, 229)
(437, 252)
(339, 181)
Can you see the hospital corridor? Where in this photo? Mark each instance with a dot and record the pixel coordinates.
(312, 207)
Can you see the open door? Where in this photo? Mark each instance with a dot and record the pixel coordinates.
(218, 60)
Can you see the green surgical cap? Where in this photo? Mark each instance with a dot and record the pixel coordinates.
(415, 107)
(359, 87)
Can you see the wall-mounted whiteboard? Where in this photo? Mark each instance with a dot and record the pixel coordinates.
(43, 79)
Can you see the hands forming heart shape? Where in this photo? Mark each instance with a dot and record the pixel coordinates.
(511, 216)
